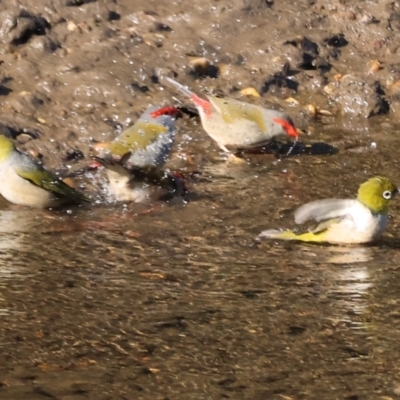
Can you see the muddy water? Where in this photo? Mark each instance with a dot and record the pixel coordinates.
(177, 301)
(181, 303)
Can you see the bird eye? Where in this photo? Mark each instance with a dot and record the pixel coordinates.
(387, 194)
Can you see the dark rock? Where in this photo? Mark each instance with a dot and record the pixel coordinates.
(160, 27)
(394, 22)
(74, 154)
(4, 90)
(296, 330)
(26, 26)
(280, 80)
(78, 3)
(257, 6)
(113, 16)
(135, 86)
(200, 71)
(308, 54)
(336, 40)
(305, 44)
(42, 45)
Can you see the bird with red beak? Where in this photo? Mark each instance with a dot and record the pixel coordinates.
(236, 125)
(134, 159)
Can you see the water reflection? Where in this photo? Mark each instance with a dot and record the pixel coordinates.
(16, 245)
(349, 255)
(351, 281)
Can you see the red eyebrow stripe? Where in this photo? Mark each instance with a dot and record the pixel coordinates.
(167, 110)
(289, 128)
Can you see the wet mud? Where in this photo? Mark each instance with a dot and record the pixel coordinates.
(176, 300)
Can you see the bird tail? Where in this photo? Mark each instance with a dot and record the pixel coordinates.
(180, 87)
(198, 101)
(289, 235)
(277, 234)
(74, 194)
(79, 197)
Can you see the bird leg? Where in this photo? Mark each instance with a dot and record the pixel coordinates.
(292, 147)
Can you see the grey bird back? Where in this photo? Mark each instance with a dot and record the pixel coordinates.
(156, 153)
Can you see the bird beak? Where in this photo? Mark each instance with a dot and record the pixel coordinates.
(168, 110)
(179, 177)
(288, 127)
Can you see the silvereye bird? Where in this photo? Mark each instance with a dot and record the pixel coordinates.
(25, 182)
(236, 125)
(339, 221)
(133, 160)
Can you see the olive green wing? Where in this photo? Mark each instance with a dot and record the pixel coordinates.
(40, 177)
(233, 110)
(137, 137)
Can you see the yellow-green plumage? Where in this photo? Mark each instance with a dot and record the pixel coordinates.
(361, 220)
(237, 125)
(134, 157)
(138, 137)
(232, 110)
(24, 181)
(370, 193)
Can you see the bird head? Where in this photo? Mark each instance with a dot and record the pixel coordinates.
(6, 147)
(285, 123)
(376, 194)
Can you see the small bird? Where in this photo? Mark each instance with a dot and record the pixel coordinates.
(148, 142)
(133, 160)
(25, 182)
(236, 125)
(343, 221)
(142, 184)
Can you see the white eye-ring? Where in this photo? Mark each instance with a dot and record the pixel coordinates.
(387, 194)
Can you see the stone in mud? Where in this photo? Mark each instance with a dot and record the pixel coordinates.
(393, 96)
(24, 103)
(13, 125)
(18, 28)
(77, 3)
(305, 54)
(202, 68)
(394, 22)
(113, 16)
(336, 40)
(358, 96)
(4, 90)
(281, 83)
(74, 154)
(8, 21)
(41, 45)
(257, 6)
(311, 80)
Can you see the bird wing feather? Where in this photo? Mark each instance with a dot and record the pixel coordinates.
(232, 110)
(137, 137)
(323, 210)
(38, 176)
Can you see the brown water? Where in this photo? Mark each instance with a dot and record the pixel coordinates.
(181, 303)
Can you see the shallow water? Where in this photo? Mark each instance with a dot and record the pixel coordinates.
(181, 303)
